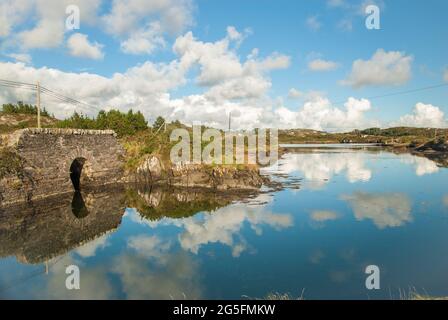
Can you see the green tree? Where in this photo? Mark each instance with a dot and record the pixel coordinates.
(23, 108)
(122, 123)
(158, 123)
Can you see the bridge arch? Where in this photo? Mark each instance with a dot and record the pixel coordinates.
(76, 171)
(64, 160)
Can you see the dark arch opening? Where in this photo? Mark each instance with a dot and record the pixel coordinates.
(75, 172)
(79, 208)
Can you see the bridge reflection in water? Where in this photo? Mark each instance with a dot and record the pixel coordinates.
(40, 239)
(39, 231)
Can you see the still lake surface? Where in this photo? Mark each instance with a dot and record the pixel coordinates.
(341, 210)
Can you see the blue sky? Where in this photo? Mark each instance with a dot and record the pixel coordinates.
(314, 61)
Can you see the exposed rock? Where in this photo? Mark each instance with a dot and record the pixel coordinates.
(220, 177)
(434, 146)
(154, 171)
(151, 169)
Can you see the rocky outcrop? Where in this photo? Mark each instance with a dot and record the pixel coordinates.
(434, 146)
(154, 171)
(219, 177)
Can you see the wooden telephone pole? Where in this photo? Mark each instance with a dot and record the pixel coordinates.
(38, 105)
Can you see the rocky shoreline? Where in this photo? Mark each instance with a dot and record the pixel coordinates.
(22, 181)
(154, 171)
(30, 171)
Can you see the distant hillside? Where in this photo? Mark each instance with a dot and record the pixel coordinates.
(393, 136)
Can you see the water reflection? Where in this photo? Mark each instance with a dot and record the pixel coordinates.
(319, 168)
(324, 215)
(79, 208)
(39, 231)
(385, 210)
(140, 242)
(423, 166)
(157, 272)
(215, 225)
(155, 203)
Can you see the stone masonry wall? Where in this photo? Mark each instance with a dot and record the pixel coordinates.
(49, 153)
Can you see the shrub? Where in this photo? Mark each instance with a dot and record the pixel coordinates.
(123, 124)
(23, 108)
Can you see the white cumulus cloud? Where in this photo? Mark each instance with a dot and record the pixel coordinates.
(322, 65)
(294, 93)
(144, 41)
(313, 23)
(320, 114)
(384, 68)
(50, 16)
(161, 17)
(20, 57)
(423, 115)
(79, 46)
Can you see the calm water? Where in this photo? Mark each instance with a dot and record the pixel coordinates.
(353, 208)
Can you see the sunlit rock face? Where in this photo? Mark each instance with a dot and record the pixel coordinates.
(151, 169)
(48, 162)
(39, 231)
(154, 171)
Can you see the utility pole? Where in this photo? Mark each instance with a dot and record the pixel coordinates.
(38, 105)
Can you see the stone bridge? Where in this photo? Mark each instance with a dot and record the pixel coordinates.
(62, 160)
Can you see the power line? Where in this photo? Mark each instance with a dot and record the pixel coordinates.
(46, 91)
(17, 85)
(68, 99)
(391, 94)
